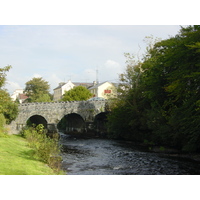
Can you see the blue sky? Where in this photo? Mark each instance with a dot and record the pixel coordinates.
(62, 52)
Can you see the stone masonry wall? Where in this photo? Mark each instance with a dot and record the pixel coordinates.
(53, 112)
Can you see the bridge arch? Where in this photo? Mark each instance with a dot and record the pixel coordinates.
(72, 122)
(37, 119)
(100, 121)
(82, 112)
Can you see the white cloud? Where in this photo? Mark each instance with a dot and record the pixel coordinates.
(12, 86)
(110, 71)
(60, 53)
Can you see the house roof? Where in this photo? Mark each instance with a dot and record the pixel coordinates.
(99, 84)
(60, 85)
(76, 84)
(83, 84)
(22, 96)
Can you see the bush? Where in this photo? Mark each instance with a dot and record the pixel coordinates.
(46, 149)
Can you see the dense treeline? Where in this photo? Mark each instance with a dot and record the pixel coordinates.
(159, 99)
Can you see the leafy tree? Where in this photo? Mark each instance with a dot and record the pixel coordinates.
(44, 98)
(3, 75)
(78, 93)
(172, 88)
(37, 90)
(161, 95)
(8, 109)
(125, 120)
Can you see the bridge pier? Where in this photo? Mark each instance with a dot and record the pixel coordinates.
(52, 128)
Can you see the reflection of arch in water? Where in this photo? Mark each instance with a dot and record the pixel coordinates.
(36, 120)
(100, 121)
(72, 123)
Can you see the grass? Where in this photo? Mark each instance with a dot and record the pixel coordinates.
(16, 158)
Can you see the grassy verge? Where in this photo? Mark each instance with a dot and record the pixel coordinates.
(16, 158)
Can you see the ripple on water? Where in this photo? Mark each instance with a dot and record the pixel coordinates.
(108, 157)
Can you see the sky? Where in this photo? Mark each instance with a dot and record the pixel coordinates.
(80, 53)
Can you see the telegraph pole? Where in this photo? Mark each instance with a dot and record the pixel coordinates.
(97, 80)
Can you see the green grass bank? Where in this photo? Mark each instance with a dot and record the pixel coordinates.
(16, 158)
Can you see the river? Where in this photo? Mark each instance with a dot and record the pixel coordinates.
(113, 157)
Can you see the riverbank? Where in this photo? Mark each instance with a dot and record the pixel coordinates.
(16, 158)
(167, 151)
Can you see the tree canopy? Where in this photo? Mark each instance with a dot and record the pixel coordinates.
(8, 109)
(3, 75)
(37, 89)
(78, 93)
(162, 100)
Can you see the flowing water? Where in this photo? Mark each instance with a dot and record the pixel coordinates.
(111, 157)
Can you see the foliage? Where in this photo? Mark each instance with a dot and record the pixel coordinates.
(78, 93)
(45, 148)
(37, 90)
(159, 97)
(8, 108)
(3, 75)
(126, 119)
(44, 98)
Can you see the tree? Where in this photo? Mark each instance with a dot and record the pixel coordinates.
(3, 75)
(44, 98)
(126, 119)
(37, 90)
(163, 96)
(78, 93)
(8, 109)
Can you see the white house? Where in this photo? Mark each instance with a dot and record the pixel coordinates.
(16, 93)
(60, 90)
(105, 90)
(19, 94)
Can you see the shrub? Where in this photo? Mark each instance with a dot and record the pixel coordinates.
(46, 149)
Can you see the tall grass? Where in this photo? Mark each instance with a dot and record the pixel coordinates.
(3, 130)
(46, 149)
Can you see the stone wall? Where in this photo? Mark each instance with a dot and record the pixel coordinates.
(53, 112)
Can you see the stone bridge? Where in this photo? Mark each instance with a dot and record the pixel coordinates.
(80, 116)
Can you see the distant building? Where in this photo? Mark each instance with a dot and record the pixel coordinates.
(22, 98)
(86, 85)
(63, 87)
(105, 90)
(19, 95)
